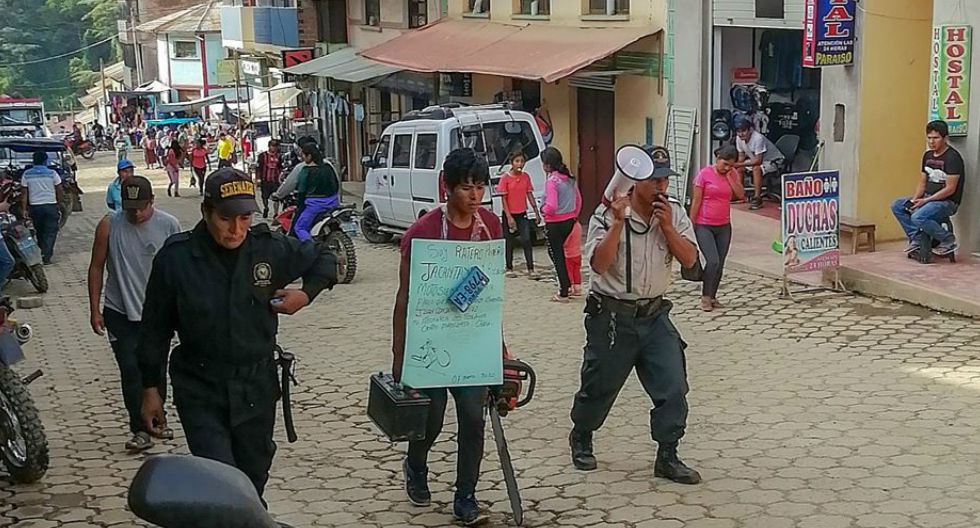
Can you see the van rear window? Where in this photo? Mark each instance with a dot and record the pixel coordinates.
(503, 139)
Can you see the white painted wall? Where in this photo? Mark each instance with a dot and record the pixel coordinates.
(742, 13)
(163, 59)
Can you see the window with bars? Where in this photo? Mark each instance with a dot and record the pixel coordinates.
(535, 7)
(609, 7)
(478, 7)
(372, 12)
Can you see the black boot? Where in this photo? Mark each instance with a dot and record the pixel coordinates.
(670, 467)
(581, 444)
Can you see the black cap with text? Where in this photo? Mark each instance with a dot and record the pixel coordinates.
(231, 192)
(137, 192)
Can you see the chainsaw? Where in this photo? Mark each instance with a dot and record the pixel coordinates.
(516, 391)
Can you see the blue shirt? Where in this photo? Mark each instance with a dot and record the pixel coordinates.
(113, 195)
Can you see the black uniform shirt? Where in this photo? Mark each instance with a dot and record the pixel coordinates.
(223, 317)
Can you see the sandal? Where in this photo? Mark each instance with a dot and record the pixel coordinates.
(140, 442)
(559, 299)
(166, 434)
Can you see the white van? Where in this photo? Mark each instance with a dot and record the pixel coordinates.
(403, 176)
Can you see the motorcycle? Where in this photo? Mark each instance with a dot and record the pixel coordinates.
(23, 445)
(71, 196)
(60, 160)
(183, 491)
(83, 147)
(23, 246)
(333, 230)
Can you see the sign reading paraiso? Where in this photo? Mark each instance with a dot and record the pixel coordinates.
(829, 32)
(949, 93)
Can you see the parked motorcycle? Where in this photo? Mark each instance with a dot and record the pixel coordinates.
(332, 230)
(23, 445)
(182, 491)
(23, 247)
(71, 197)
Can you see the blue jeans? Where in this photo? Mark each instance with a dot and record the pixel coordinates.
(6, 263)
(926, 218)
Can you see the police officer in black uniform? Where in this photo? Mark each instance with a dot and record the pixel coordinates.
(632, 245)
(221, 287)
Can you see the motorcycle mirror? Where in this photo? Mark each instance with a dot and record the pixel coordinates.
(175, 491)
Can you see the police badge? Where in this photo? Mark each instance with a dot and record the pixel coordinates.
(262, 273)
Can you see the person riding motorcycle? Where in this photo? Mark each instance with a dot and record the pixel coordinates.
(318, 191)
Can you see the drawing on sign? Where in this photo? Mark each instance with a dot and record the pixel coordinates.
(446, 347)
(430, 357)
(811, 221)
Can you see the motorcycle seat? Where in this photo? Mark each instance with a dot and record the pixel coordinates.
(175, 491)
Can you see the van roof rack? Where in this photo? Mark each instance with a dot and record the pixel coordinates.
(448, 110)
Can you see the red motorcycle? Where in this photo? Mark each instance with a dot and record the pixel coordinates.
(83, 147)
(331, 229)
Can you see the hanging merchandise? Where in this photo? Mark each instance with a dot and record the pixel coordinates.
(359, 112)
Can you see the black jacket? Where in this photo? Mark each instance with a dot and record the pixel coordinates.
(222, 319)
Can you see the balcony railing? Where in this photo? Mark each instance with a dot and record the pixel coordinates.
(250, 27)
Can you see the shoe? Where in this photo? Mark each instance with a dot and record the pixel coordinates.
(755, 204)
(265, 213)
(706, 305)
(581, 444)
(946, 247)
(913, 247)
(466, 510)
(176, 195)
(140, 442)
(166, 434)
(511, 274)
(670, 467)
(716, 304)
(169, 193)
(416, 486)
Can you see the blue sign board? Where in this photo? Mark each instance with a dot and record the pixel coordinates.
(829, 32)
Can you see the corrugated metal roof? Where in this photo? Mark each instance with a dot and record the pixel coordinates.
(343, 65)
(202, 18)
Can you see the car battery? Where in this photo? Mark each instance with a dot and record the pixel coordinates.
(399, 411)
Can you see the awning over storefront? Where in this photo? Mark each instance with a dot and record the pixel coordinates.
(343, 65)
(153, 87)
(189, 106)
(273, 103)
(536, 52)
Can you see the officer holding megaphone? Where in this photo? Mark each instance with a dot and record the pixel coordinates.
(634, 237)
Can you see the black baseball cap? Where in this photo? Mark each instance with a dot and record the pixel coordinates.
(231, 192)
(137, 192)
(661, 169)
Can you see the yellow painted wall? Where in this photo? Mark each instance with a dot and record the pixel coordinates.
(486, 86)
(562, 105)
(894, 98)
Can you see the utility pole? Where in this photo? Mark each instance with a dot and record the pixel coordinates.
(105, 95)
(137, 52)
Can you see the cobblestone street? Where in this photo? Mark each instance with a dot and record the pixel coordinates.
(831, 413)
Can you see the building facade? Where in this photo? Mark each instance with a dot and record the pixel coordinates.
(140, 49)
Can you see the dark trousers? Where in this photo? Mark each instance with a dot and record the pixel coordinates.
(229, 420)
(469, 437)
(523, 234)
(45, 218)
(617, 343)
(714, 242)
(268, 188)
(222, 163)
(557, 233)
(200, 174)
(123, 335)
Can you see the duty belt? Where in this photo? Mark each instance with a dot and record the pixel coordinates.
(220, 369)
(635, 308)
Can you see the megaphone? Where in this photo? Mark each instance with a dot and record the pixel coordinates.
(634, 163)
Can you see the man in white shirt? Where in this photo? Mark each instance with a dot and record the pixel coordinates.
(42, 194)
(757, 154)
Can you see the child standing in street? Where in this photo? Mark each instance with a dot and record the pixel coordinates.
(573, 259)
(172, 163)
(518, 192)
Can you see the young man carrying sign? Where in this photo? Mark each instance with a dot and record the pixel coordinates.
(466, 178)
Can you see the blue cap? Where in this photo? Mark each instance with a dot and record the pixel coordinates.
(124, 164)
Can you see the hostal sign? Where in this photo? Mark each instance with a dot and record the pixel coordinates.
(949, 93)
(829, 28)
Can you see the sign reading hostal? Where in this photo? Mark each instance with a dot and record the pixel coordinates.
(949, 92)
(829, 32)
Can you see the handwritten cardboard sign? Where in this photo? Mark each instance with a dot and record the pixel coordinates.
(445, 347)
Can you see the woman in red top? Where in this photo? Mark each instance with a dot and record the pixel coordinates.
(200, 163)
(518, 192)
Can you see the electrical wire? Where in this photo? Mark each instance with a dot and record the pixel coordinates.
(60, 56)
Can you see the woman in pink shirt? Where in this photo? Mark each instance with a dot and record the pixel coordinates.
(562, 204)
(711, 200)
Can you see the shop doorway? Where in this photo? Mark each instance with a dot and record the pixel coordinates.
(596, 123)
